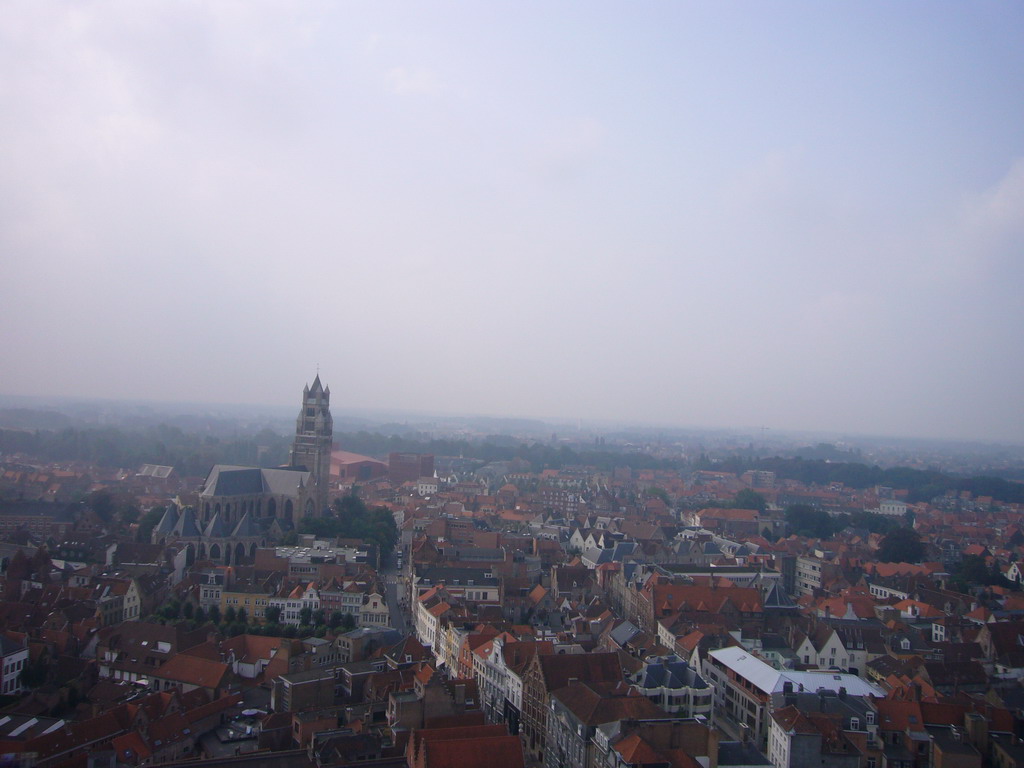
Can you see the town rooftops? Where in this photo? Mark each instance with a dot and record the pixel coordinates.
(770, 680)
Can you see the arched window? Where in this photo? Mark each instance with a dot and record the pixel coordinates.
(288, 510)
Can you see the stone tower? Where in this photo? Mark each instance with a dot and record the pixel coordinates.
(314, 430)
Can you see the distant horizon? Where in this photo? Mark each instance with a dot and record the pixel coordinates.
(279, 411)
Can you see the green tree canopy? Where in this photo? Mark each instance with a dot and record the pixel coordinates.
(750, 499)
(902, 545)
(805, 520)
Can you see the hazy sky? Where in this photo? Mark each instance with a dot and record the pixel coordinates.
(798, 215)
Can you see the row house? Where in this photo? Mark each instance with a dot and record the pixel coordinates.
(579, 709)
(843, 648)
(738, 607)
(744, 685)
(251, 598)
(674, 685)
(292, 604)
(13, 658)
(134, 651)
(824, 728)
(499, 668)
(469, 585)
(548, 673)
(673, 743)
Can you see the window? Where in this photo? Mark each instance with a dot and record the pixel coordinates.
(854, 723)
(869, 717)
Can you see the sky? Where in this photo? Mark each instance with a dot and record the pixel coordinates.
(797, 215)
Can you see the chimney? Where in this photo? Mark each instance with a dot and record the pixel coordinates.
(842, 693)
(821, 700)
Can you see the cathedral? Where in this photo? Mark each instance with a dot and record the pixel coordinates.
(241, 508)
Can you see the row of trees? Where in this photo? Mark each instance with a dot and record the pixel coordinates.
(189, 452)
(922, 484)
(900, 544)
(352, 519)
(805, 520)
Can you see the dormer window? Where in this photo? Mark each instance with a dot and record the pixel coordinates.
(905, 644)
(869, 717)
(854, 723)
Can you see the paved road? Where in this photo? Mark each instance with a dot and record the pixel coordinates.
(398, 618)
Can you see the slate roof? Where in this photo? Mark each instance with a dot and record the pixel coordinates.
(186, 526)
(671, 672)
(168, 521)
(216, 527)
(245, 527)
(228, 480)
(234, 481)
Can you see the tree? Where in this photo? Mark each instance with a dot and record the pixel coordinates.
(188, 610)
(805, 520)
(306, 615)
(240, 616)
(19, 566)
(102, 503)
(749, 499)
(273, 614)
(148, 522)
(229, 615)
(658, 493)
(200, 615)
(320, 616)
(214, 614)
(41, 565)
(902, 545)
(348, 622)
(335, 620)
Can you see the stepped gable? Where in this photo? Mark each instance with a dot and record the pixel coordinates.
(216, 527)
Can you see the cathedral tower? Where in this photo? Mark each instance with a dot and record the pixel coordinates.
(314, 430)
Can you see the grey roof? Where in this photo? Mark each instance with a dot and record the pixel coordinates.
(236, 482)
(229, 480)
(284, 481)
(216, 527)
(245, 527)
(623, 633)
(168, 521)
(777, 598)
(671, 672)
(186, 526)
(8, 646)
(740, 753)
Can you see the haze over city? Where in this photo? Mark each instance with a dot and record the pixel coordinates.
(800, 215)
